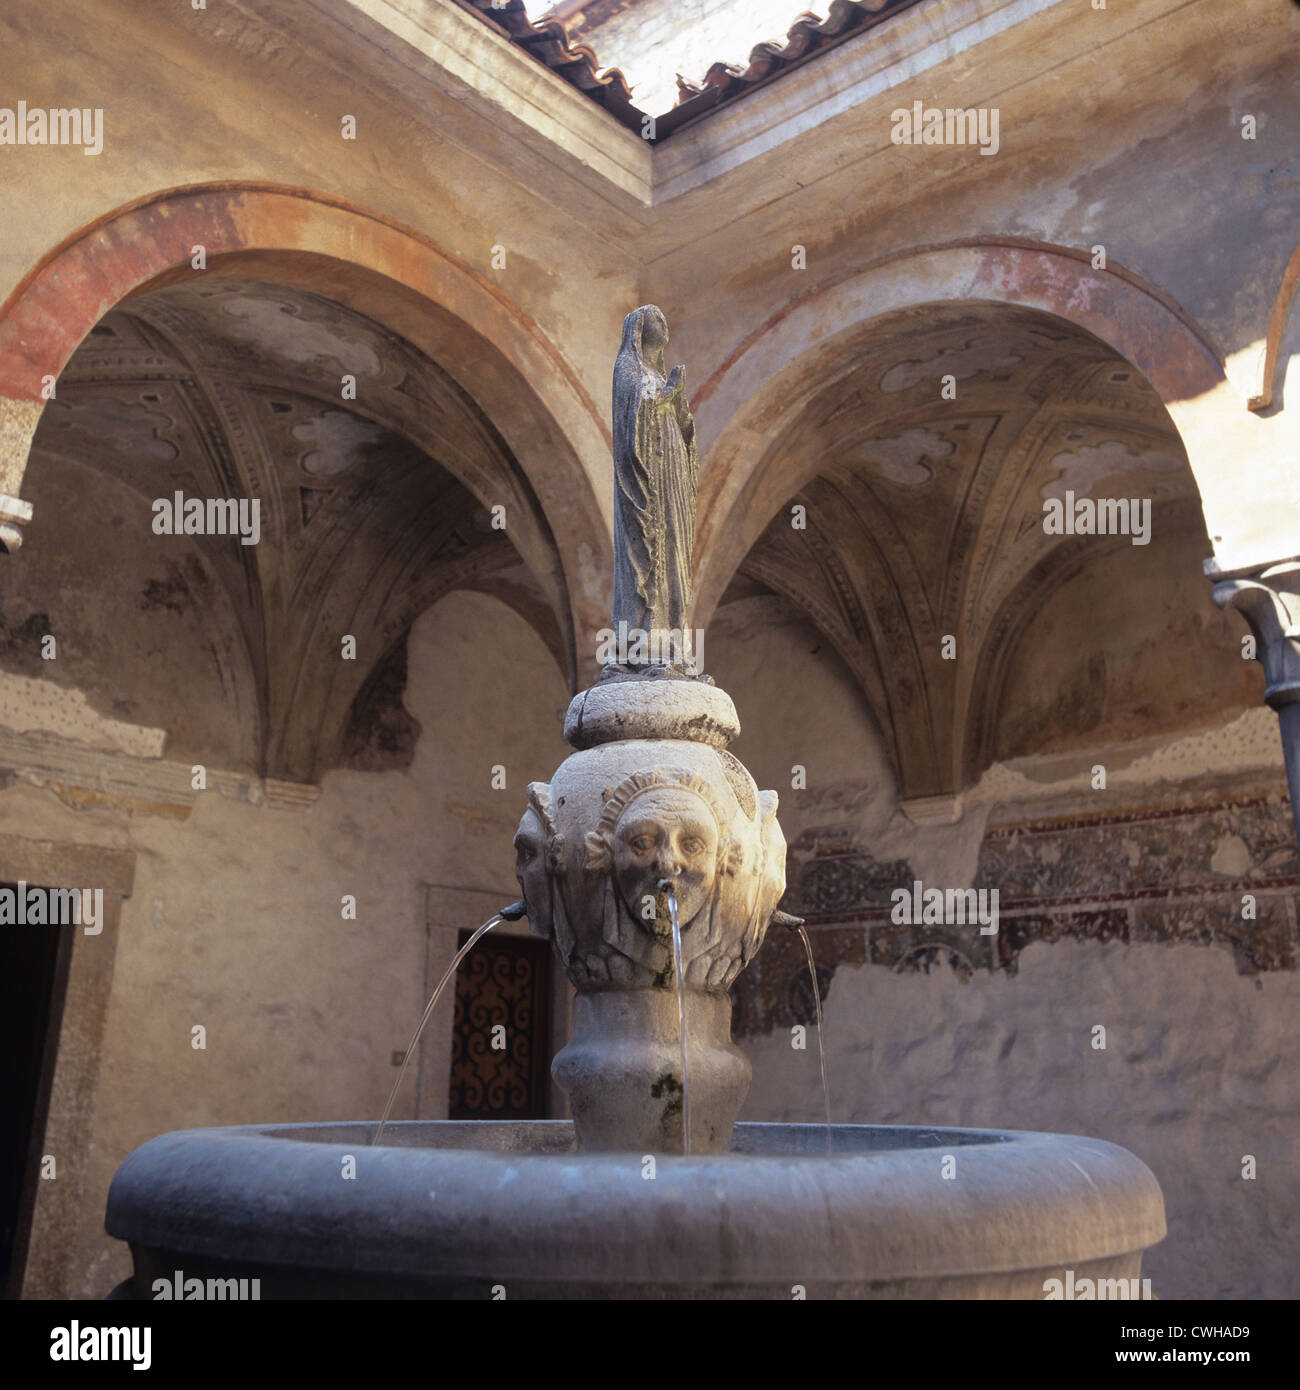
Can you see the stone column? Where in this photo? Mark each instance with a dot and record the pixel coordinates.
(1269, 600)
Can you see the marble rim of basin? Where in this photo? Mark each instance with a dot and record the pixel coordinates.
(477, 1201)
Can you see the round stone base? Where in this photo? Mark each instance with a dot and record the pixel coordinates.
(480, 1209)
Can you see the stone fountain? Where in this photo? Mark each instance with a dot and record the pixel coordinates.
(653, 1190)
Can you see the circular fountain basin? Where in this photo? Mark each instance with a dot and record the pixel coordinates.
(483, 1209)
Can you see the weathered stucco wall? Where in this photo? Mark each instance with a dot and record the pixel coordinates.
(220, 105)
(1124, 147)
(445, 216)
(943, 1026)
(1198, 1072)
(1121, 159)
(235, 922)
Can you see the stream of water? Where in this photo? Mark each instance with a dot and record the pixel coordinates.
(428, 1010)
(666, 887)
(821, 1046)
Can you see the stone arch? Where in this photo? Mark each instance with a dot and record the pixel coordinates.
(1272, 377)
(760, 387)
(392, 273)
(793, 437)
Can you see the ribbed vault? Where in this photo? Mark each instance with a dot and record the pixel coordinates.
(376, 476)
(922, 468)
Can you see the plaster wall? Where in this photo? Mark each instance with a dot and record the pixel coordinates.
(242, 98)
(235, 921)
(146, 634)
(1135, 144)
(1198, 1072)
(1199, 1065)
(1127, 150)
(222, 103)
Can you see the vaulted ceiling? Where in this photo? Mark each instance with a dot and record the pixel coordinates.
(923, 467)
(376, 477)
(923, 521)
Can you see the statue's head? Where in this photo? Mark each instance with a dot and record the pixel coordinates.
(654, 330)
(536, 843)
(645, 333)
(665, 824)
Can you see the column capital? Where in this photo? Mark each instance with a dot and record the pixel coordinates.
(1269, 600)
(14, 515)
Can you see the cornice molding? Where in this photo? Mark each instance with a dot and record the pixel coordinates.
(87, 779)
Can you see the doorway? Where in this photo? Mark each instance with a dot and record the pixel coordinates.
(501, 1037)
(34, 963)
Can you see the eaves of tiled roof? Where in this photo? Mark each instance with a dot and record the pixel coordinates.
(548, 41)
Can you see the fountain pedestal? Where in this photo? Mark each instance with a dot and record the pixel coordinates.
(622, 1071)
(639, 804)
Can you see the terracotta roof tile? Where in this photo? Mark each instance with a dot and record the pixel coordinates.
(548, 41)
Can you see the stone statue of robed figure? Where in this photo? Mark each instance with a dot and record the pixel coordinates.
(655, 475)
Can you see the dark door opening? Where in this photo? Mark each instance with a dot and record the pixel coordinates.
(33, 980)
(501, 1039)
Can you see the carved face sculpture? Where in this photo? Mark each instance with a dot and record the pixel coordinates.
(530, 870)
(667, 833)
